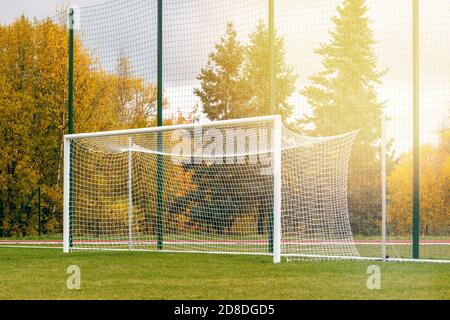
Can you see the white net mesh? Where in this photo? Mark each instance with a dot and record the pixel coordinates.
(315, 217)
(216, 190)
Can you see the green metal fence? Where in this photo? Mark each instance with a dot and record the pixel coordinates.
(298, 58)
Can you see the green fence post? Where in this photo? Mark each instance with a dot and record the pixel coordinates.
(272, 106)
(70, 98)
(39, 210)
(70, 111)
(159, 200)
(416, 134)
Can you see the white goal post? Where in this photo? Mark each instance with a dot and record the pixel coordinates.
(247, 186)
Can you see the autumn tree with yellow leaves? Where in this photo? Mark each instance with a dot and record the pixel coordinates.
(33, 115)
(434, 191)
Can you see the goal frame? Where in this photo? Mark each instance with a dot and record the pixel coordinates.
(277, 183)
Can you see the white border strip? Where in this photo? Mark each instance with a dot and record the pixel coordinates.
(306, 257)
(29, 247)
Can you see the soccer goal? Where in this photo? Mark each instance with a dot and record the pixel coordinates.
(247, 186)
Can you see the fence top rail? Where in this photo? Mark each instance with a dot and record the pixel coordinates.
(171, 127)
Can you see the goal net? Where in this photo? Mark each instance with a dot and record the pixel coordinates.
(247, 186)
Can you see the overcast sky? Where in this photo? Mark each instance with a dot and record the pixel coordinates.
(11, 9)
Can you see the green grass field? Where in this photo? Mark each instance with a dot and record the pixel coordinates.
(41, 274)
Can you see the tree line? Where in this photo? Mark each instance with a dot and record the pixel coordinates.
(234, 83)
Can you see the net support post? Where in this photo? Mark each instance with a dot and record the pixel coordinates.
(383, 188)
(159, 160)
(272, 106)
(416, 133)
(67, 216)
(73, 25)
(130, 193)
(277, 190)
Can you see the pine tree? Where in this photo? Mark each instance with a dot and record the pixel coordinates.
(257, 72)
(222, 93)
(343, 95)
(235, 82)
(343, 98)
